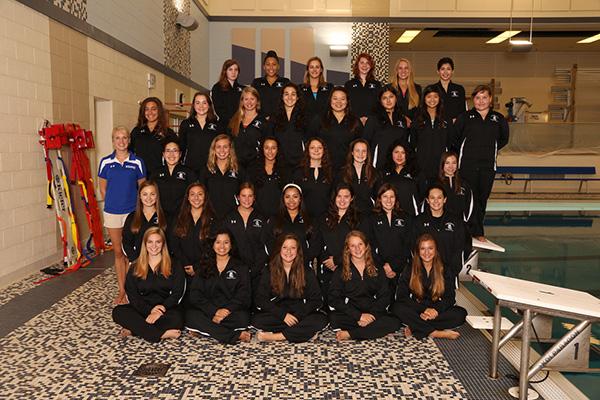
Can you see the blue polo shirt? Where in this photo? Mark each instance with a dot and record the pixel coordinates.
(121, 182)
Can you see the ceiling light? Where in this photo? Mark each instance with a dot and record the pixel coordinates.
(520, 42)
(408, 36)
(503, 36)
(590, 39)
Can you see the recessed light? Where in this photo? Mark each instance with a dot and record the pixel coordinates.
(590, 39)
(408, 36)
(503, 36)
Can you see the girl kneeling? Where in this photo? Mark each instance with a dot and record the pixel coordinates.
(220, 295)
(425, 299)
(288, 297)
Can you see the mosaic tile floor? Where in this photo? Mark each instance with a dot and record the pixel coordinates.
(20, 287)
(72, 351)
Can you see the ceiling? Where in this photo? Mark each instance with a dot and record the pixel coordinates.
(546, 38)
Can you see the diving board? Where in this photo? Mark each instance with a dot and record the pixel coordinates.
(571, 352)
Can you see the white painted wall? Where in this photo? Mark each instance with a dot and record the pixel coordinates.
(138, 23)
(27, 228)
(325, 34)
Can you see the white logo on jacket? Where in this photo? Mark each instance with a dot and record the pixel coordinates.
(257, 223)
(231, 275)
(181, 175)
(494, 118)
(449, 226)
(453, 93)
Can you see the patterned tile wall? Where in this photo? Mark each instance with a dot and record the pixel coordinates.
(374, 39)
(177, 40)
(78, 8)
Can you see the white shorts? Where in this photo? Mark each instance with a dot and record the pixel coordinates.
(114, 220)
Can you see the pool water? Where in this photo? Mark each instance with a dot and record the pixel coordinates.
(560, 250)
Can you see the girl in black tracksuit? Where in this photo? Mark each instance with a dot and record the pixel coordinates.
(389, 230)
(399, 171)
(222, 176)
(430, 135)
(314, 176)
(288, 298)
(448, 229)
(270, 86)
(460, 196)
(338, 127)
(226, 92)
(363, 88)
(148, 213)
(193, 228)
(425, 299)
(292, 218)
(290, 126)
(409, 92)
(197, 132)
(249, 229)
(269, 176)
(341, 218)
(315, 90)
(248, 127)
(172, 179)
(361, 175)
(155, 285)
(453, 95)
(219, 299)
(385, 126)
(146, 138)
(480, 134)
(359, 294)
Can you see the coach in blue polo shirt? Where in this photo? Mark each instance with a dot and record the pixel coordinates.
(120, 174)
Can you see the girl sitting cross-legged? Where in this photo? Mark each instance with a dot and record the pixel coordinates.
(288, 297)
(425, 299)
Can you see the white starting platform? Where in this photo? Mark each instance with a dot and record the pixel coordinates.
(472, 262)
(569, 353)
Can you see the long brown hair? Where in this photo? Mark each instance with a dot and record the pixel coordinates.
(325, 163)
(348, 168)
(278, 276)
(457, 180)
(355, 70)
(185, 222)
(211, 116)
(351, 215)
(307, 76)
(136, 224)
(370, 267)
(238, 117)
(162, 124)
(223, 82)
(413, 95)
(211, 163)
(141, 267)
(378, 208)
(437, 272)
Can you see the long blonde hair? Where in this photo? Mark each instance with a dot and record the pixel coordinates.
(437, 274)
(370, 267)
(140, 268)
(413, 95)
(232, 162)
(238, 117)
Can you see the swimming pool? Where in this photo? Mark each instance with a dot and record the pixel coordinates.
(556, 249)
